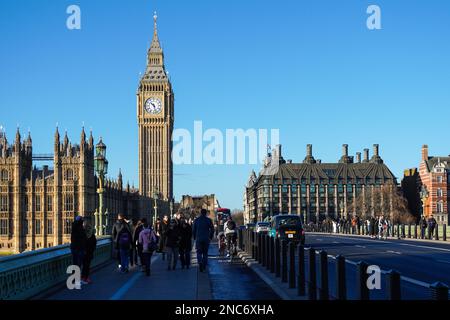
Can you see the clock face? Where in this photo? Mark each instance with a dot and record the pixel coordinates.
(153, 105)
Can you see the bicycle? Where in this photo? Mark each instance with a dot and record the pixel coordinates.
(232, 251)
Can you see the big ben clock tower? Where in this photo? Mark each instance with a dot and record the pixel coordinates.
(155, 114)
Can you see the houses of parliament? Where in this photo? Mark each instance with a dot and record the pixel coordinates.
(38, 205)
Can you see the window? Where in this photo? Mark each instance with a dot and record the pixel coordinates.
(4, 224)
(67, 226)
(439, 192)
(49, 203)
(4, 176)
(50, 226)
(4, 203)
(440, 207)
(439, 179)
(69, 174)
(25, 203)
(37, 199)
(68, 202)
(38, 226)
(25, 227)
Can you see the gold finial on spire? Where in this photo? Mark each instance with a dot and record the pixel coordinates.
(155, 17)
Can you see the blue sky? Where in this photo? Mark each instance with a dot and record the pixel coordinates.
(310, 68)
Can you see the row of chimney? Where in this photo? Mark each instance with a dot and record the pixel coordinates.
(376, 150)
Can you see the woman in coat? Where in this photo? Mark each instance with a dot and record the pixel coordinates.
(91, 245)
(185, 243)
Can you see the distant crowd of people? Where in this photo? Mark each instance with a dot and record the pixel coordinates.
(377, 227)
(135, 244)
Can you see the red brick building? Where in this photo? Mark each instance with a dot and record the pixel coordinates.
(434, 173)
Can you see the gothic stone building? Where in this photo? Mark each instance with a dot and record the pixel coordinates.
(193, 204)
(313, 189)
(38, 206)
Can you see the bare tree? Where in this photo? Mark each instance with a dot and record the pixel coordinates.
(238, 216)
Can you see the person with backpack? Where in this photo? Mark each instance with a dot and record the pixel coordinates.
(203, 232)
(122, 242)
(91, 245)
(423, 226)
(173, 238)
(149, 242)
(185, 243)
(231, 234)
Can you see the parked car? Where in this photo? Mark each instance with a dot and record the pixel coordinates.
(250, 226)
(242, 227)
(288, 227)
(262, 227)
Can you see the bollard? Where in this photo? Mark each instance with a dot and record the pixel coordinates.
(323, 275)
(277, 258)
(361, 284)
(253, 238)
(393, 285)
(291, 265)
(272, 255)
(263, 250)
(312, 286)
(269, 254)
(301, 271)
(403, 231)
(436, 232)
(284, 271)
(409, 231)
(398, 231)
(439, 291)
(359, 229)
(444, 232)
(341, 286)
(415, 231)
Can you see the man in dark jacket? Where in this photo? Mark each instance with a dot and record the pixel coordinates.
(203, 232)
(423, 226)
(431, 226)
(163, 226)
(185, 243)
(78, 241)
(173, 238)
(122, 238)
(138, 246)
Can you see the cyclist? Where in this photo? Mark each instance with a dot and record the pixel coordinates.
(222, 243)
(230, 234)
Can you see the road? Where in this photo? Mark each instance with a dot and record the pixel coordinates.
(418, 261)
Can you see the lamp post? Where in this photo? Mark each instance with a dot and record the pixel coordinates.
(155, 197)
(101, 168)
(424, 196)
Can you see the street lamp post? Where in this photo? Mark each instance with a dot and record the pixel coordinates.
(155, 211)
(101, 168)
(424, 196)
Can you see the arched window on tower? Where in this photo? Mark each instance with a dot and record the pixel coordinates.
(4, 176)
(69, 174)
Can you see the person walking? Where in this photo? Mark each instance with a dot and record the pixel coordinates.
(78, 241)
(91, 245)
(185, 243)
(173, 238)
(137, 245)
(148, 241)
(122, 242)
(423, 226)
(203, 232)
(431, 226)
(162, 232)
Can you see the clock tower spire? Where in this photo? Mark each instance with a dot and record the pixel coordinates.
(155, 117)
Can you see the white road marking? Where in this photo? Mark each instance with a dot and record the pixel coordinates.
(319, 239)
(443, 261)
(358, 246)
(424, 247)
(391, 251)
(335, 242)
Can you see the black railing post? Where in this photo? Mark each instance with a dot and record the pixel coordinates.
(323, 275)
(409, 230)
(240, 239)
(361, 284)
(444, 232)
(291, 265)
(253, 238)
(439, 291)
(415, 231)
(312, 286)
(272, 255)
(436, 232)
(393, 285)
(284, 271)
(301, 271)
(277, 258)
(398, 231)
(269, 252)
(263, 249)
(341, 286)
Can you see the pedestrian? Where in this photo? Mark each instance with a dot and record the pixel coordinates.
(131, 253)
(423, 226)
(136, 243)
(185, 243)
(78, 241)
(162, 232)
(203, 232)
(122, 242)
(173, 238)
(148, 242)
(431, 226)
(91, 245)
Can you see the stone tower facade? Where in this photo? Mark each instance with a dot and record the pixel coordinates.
(155, 115)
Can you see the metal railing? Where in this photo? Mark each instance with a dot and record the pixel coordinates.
(318, 275)
(25, 275)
